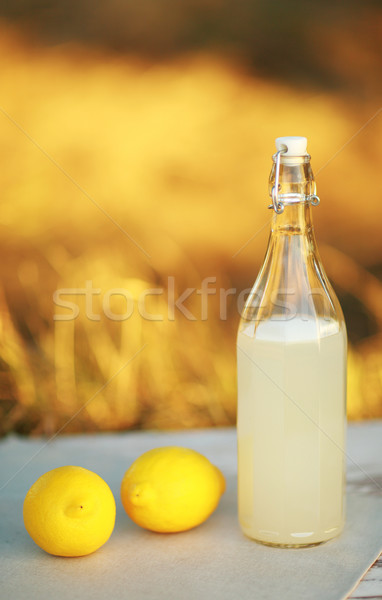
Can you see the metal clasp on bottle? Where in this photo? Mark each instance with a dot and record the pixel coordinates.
(277, 205)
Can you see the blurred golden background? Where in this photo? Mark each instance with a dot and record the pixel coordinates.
(136, 143)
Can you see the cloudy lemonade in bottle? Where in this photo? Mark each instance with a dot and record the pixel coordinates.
(291, 359)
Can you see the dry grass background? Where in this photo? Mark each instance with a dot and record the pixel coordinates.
(178, 154)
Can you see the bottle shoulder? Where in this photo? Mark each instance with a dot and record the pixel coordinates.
(292, 285)
(296, 330)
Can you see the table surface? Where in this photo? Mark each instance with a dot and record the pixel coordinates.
(371, 584)
(211, 561)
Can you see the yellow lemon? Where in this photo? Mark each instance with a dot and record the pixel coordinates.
(171, 489)
(69, 511)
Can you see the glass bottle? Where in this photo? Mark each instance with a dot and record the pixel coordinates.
(291, 358)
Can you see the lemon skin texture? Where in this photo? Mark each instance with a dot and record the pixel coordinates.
(69, 511)
(171, 489)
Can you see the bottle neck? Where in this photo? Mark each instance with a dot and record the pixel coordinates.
(296, 219)
(295, 177)
(296, 186)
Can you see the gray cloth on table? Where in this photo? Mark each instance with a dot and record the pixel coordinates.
(211, 561)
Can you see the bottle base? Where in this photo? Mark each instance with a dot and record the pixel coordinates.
(295, 546)
(326, 537)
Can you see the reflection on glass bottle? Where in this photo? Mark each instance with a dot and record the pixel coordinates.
(291, 356)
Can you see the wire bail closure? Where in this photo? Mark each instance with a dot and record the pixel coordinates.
(277, 205)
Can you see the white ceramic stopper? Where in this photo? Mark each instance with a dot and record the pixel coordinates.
(296, 145)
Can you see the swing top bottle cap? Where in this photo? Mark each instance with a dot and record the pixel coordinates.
(294, 145)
